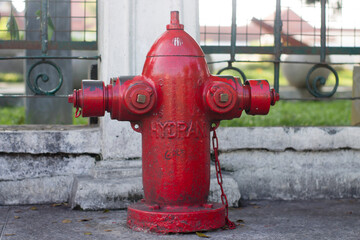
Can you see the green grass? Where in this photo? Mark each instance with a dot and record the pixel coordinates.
(11, 77)
(286, 113)
(12, 115)
(80, 120)
(16, 116)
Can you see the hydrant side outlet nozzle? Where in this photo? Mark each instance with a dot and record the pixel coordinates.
(173, 104)
(125, 102)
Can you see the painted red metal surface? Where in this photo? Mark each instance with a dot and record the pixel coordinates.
(176, 218)
(173, 104)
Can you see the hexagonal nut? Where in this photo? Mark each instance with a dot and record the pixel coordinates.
(224, 97)
(141, 98)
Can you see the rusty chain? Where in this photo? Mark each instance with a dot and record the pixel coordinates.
(215, 143)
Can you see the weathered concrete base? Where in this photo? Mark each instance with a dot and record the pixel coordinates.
(50, 139)
(25, 166)
(117, 169)
(36, 190)
(94, 194)
(231, 190)
(273, 163)
(293, 163)
(116, 184)
(110, 185)
(293, 175)
(40, 178)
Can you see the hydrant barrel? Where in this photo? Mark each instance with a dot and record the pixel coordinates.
(176, 140)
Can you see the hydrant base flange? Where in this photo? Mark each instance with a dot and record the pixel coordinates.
(176, 219)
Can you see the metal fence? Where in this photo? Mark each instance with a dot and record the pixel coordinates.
(42, 34)
(285, 32)
(82, 27)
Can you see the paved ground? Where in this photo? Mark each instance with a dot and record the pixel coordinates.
(322, 219)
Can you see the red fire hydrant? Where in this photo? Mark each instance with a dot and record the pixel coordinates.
(175, 104)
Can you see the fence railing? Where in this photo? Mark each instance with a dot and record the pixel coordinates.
(81, 31)
(284, 42)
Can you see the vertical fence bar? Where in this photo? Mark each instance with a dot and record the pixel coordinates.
(277, 45)
(85, 21)
(205, 35)
(97, 23)
(219, 35)
(323, 32)
(233, 31)
(44, 26)
(11, 15)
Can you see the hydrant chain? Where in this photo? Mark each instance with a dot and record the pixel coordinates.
(78, 112)
(224, 200)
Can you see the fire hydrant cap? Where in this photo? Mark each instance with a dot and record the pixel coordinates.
(175, 41)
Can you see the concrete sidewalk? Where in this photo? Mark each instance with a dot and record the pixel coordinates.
(320, 219)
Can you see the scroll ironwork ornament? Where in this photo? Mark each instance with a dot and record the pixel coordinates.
(34, 85)
(230, 67)
(318, 81)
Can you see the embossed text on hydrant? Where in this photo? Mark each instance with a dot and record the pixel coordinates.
(178, 129)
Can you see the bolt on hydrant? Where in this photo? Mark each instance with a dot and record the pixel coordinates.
(175, 104)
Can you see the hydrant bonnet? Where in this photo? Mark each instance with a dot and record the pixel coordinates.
(175, 42)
